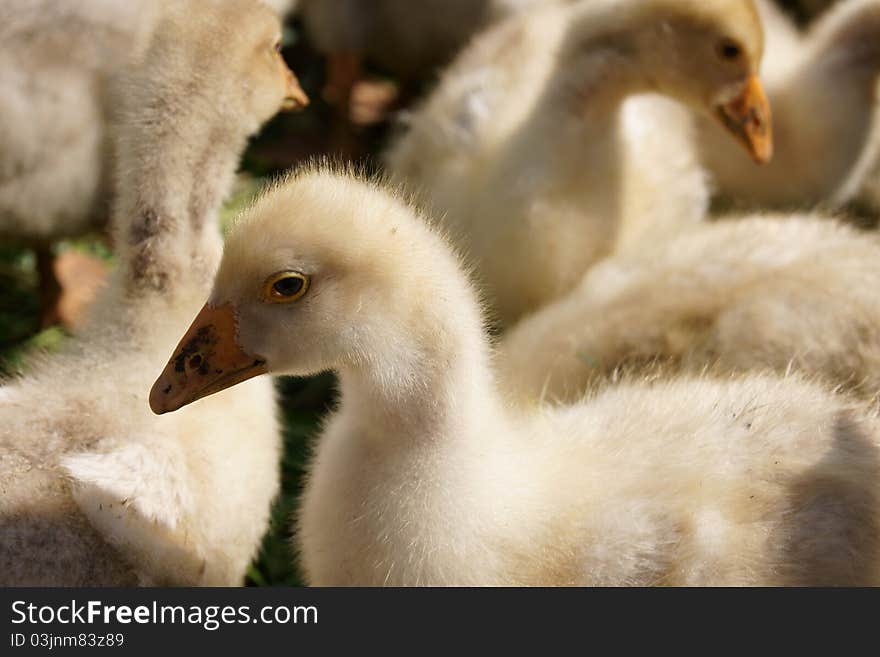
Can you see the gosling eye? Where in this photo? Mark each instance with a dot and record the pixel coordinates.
(285, 287)
(277, 46)
(729, 50)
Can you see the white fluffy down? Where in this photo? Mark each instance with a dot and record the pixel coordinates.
(743, 294)
(56, 60)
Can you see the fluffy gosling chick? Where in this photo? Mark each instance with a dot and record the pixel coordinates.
(96, 489)
(423, 476)
(530, 151)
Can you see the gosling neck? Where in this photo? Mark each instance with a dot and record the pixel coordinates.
(431, 381)
(578, 112)
(600, 61)
(592, 87)
(847, 52)
(176, 158)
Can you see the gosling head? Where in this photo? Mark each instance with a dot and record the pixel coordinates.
(704, 53)
(712, 51)
(230, 48)
(267, 81)
(324, 272)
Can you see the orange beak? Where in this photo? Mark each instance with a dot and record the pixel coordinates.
(296, 98)
(207, 360)
(748, 118)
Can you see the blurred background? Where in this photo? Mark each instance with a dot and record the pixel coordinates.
(323, 130)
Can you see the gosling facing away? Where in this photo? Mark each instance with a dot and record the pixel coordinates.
(96, 490)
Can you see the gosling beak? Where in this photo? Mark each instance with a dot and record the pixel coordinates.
(748, 118)
(207, 360)
(296, 98)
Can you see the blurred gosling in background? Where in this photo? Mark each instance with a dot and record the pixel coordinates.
(96, 489)
(540, 160)
(825, 110)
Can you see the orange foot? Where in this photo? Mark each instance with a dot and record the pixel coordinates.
(80, 277)
(372, 101)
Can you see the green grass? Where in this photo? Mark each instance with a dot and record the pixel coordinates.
(19, 305)
(246, 190)
(303, 403)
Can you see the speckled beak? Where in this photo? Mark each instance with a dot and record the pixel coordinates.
(748, 118)
(207, 360)
(296, 98)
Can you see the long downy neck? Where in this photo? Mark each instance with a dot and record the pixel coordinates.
(176, 158)
(432, 381)
(577, 115)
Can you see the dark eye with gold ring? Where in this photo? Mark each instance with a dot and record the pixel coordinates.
(729, 49)
(285, 287)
